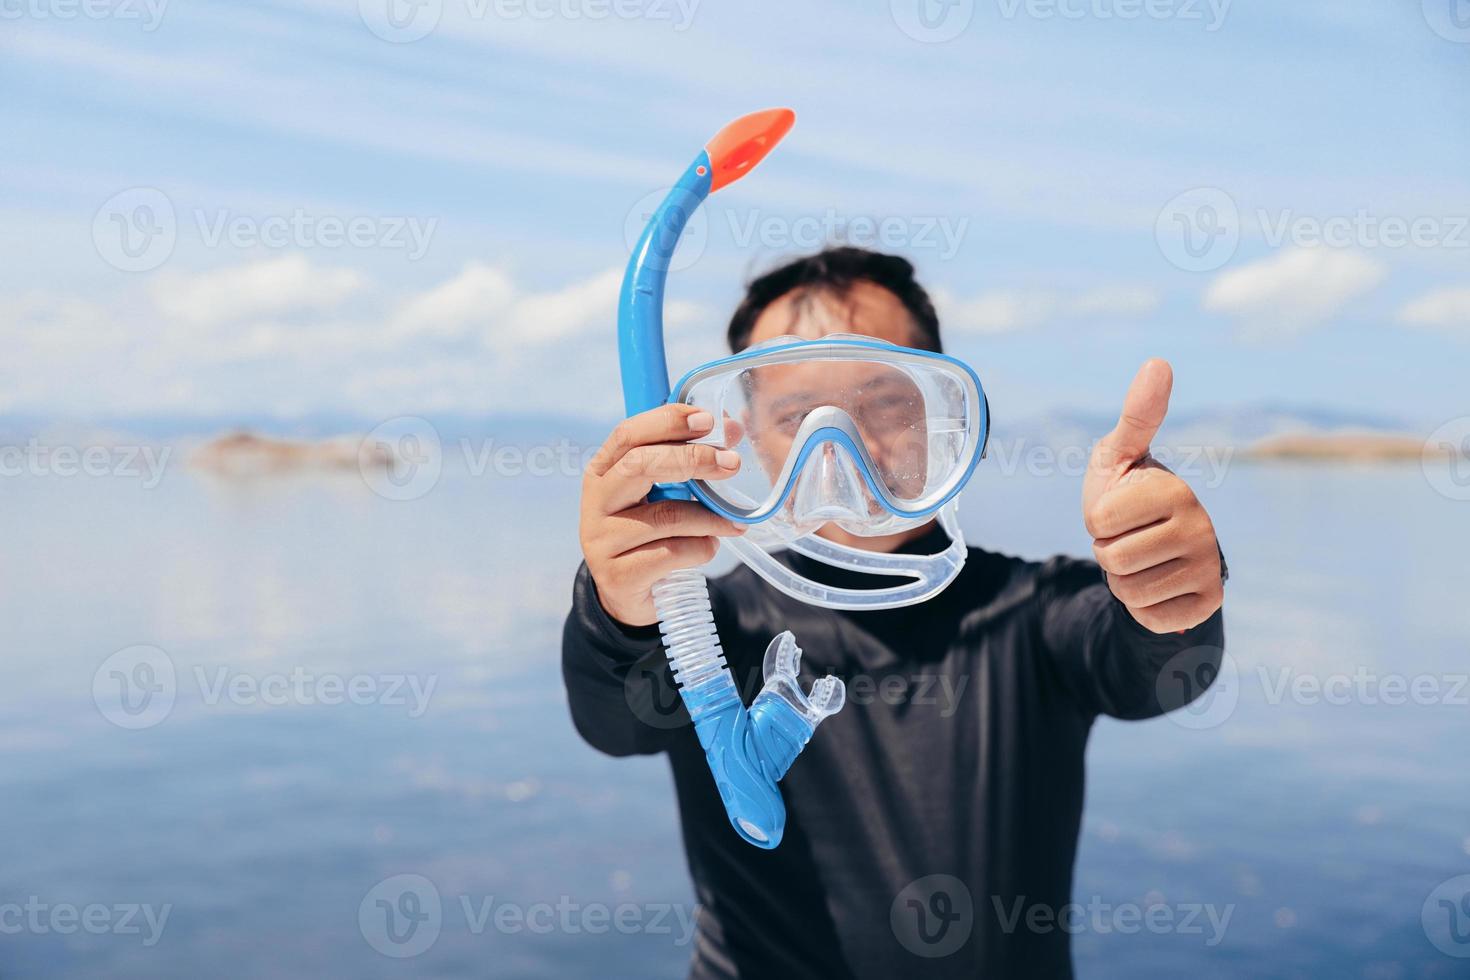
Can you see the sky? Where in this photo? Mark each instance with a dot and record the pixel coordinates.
(379, 207)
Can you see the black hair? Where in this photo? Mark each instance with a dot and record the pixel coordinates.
(833, 272)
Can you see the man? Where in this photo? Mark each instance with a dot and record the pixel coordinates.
(915, 826)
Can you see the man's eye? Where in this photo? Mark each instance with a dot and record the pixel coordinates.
(791, 421)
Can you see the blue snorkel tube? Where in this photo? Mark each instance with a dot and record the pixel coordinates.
(748, 750)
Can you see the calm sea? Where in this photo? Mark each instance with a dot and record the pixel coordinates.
(284, 727)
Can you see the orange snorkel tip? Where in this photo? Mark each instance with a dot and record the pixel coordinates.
(735, 150)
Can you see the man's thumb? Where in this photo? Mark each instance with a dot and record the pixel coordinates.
(1144, 408)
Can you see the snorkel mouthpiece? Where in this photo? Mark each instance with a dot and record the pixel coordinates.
(748, 750)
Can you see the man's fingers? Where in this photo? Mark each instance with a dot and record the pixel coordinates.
(1129, 507)
(630, 478)
(640, 524)
(1179, 613)
(1174, 577)
(667, 423)
(1144, 408)
(641, 567)
(1133, 551)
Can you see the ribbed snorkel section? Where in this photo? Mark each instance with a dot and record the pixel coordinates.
(688, 627)
(747, 751)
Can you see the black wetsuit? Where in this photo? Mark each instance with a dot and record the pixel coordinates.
(959, 755)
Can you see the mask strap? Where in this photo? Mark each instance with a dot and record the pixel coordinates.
(931, 573)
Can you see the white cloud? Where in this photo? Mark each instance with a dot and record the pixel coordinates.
(1000, 310)
(561, 315)
(200, 344)
(271, 287)
(1296, 289)
(1447, 308)
(453, 308)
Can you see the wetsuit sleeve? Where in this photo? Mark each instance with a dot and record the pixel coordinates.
(1112, 664)
(617, 678)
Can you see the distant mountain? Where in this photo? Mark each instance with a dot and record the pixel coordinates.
(1236, 426)
(1240, 426)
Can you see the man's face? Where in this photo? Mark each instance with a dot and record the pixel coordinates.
(882, 401)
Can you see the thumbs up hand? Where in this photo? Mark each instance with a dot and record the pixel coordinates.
(1150, 533)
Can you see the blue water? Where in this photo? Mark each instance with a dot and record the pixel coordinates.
(264, 828)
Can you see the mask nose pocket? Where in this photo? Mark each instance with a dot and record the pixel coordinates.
(829, 488)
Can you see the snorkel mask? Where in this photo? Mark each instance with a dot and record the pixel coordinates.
(846, 430)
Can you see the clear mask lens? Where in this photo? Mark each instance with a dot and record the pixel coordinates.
(824, 430)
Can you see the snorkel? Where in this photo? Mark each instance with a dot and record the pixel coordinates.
(748, 750)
